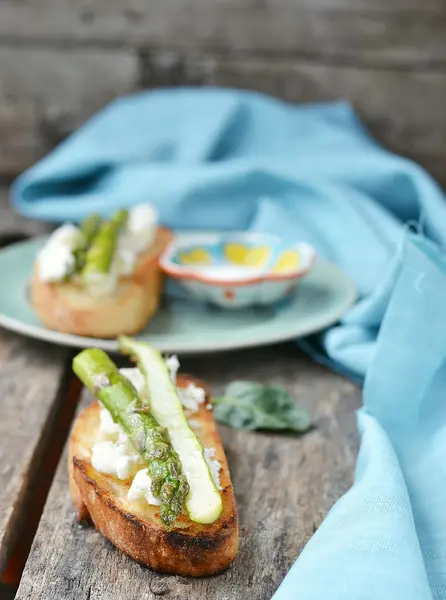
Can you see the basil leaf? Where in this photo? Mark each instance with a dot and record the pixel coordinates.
(250, 405)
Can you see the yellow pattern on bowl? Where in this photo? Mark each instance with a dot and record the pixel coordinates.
(289, 260)
(240, 254)
(196, 256)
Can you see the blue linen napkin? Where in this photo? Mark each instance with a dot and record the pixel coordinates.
(223, 159)
(227, 159)
(386, 538)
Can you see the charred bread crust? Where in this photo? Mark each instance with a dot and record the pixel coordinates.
(189, 549)
(66, 307)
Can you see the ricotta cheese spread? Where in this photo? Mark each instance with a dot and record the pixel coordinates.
(113, 454)
(55, 260)
(214, 465)
(192, 396)
(173, 364)
(115, 458)
(140, 488)
(141, 229)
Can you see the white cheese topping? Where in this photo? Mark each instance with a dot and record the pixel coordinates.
(55, 260)
(108, 429)
(113, 454)
(140, 233)
(100, 285)
(173, 364)
(135, 377)
(125, 259)
(142, 226)
(115, 458)
(214, 465)
(140, 488)
(192, 396)
(100, 381)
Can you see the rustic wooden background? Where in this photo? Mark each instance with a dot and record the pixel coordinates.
(61, 60)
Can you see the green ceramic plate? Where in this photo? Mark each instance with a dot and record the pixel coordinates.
(185, 326)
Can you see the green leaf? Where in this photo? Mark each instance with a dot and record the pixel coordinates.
(250, 405)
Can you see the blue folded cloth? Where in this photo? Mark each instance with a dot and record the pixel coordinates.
(386, 538)
(225, 159)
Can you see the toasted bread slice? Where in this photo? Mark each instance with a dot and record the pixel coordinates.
(67, 307)
(189, 548)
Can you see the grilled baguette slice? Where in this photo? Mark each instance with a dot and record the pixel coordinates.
(189, 549)
(67, 307)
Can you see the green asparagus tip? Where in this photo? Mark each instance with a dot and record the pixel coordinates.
(91, 366)
(126, 344)
(119, 218)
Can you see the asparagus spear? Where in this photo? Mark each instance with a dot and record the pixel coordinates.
(102, 250)
(203, 502)
(101, 376)
(119, 218)
(87, 233)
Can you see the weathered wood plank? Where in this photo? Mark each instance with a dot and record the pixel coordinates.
(19, 138)
(45, 94)
(385, 6)
(67, 74)
(403, 108)
(387, 57)
(389, 101)
(339, 31)
(13, 226)
(435, 165)
(31, 375)
(284, 487)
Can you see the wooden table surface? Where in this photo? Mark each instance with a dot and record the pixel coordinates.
(284, 484)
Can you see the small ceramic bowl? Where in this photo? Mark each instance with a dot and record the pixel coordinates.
(237, 270)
